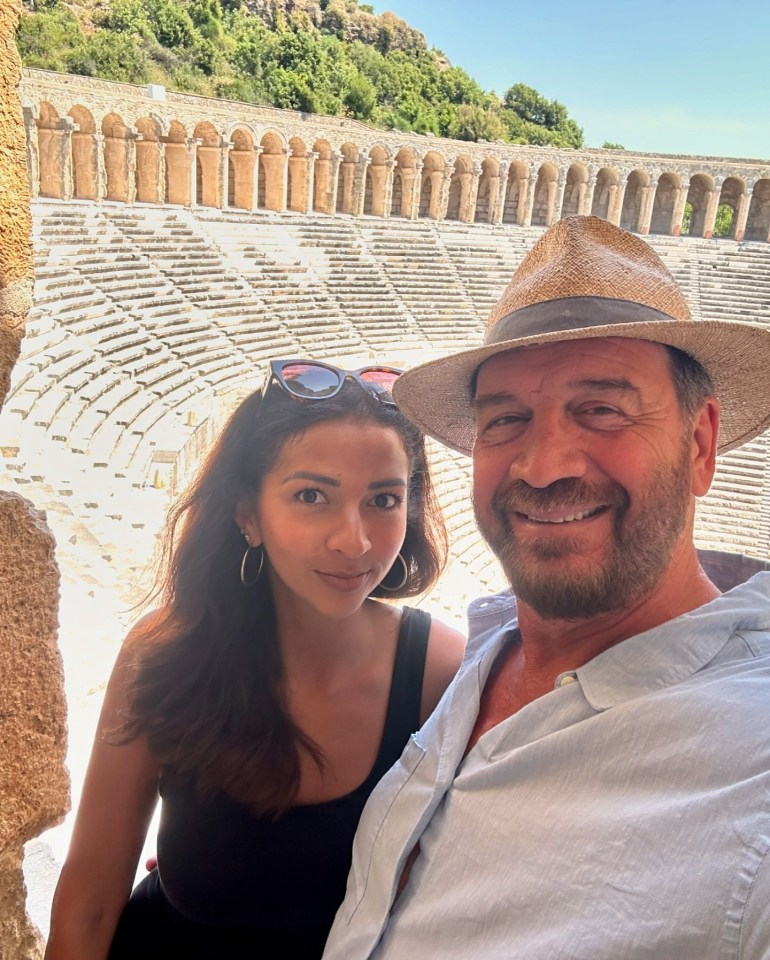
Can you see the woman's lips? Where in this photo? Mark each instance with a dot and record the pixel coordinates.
(344, 582)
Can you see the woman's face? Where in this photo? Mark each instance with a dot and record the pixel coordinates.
(331, 515)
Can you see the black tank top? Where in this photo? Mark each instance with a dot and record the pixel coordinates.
(230, 884)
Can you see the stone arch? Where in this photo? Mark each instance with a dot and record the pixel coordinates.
(664, 204)
(85, 160)
(486, 194)
(241, 160)
(574, 190)
(605, 193)
(207, 161)
(51, 149)
(545, 195)
(758, 223)
(322, 179)
(298, 187)
(346, 178)
(178, 165)
(148, 161)
(116, 157)
(698, 195)
(376, 181)
(633, 200)
(404, 175)
(272, 172)
(516, 193)
(730, 197)
(433, 171)
(459, 187)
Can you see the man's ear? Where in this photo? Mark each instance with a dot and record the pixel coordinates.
(705, 434)
(246, 518)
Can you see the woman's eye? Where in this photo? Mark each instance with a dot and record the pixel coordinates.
(310, 496)
(387, 501)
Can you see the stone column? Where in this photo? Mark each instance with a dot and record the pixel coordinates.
(712, 205)
(255, 178)
(379, 174)
(192, 144)
(132, 135)
(225, 146)
(742, 213)
(359, 185)
(470, 182)
(446, 183)
(161, 172)
(101, 167)
(310, 161)
(615, 206)
(677, 213)
(556, 190)
(526, 200)
(436, 182)
(648, 200)
(31, 114)
(502, 188)
(334, 180)
(587, 200)
(284, 180)
(414, 204)
(387, 200)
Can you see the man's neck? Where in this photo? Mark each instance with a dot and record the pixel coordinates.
(554, 646)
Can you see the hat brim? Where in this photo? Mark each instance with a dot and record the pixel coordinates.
(437, 396)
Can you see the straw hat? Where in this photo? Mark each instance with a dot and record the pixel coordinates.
(587, 278)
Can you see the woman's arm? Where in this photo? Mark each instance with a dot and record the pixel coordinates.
(116, 805)
(445, 653)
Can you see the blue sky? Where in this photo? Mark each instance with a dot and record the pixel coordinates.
(668, 76)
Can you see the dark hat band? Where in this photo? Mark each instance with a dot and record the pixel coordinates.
(568, 314)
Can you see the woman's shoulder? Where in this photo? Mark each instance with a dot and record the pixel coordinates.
(446, 647)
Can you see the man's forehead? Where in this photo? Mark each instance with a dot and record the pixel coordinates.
(632, 355)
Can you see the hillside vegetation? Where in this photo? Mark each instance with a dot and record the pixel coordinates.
(334, 57)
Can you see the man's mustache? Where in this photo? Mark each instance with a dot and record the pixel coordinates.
(565, 494)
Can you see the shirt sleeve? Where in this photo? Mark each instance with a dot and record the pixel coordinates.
(755, 929)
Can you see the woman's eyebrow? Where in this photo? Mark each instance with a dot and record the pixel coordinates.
(313, 477)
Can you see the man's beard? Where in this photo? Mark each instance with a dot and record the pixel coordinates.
(639, 551)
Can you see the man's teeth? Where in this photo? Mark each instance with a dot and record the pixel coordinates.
(565, 519)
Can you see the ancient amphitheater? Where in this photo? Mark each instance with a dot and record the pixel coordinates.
(179, 242)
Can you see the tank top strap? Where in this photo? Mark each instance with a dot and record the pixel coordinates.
(403, 713)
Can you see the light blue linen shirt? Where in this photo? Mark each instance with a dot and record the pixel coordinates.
(625, 815)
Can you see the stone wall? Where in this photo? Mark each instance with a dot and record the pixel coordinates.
(97, 140)
(33, 781)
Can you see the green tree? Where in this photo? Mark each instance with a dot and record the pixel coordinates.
(725, 221)
(114, 56)
(47, 40)
(608, 145)
(472, 122)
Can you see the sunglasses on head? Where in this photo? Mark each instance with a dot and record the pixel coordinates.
(314, 380)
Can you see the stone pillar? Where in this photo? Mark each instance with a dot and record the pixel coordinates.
(255, 178)
(556, 190)
(31, 114)
(712, 205)
(132, 135)
(223, 180)
(414, 204)
(526, 200)
(192, 144)
(161, 172)
(334, 180)
(387, 200)
(310, 161)
(359, 185)
(436, 178)
(648, 201)
(470, 182)
(284, 173)
(446, 183)
(101, 168)
(587, 199)
(379, 173)
(502, 187)
(742, 213)
(678, 212)
(615, 207)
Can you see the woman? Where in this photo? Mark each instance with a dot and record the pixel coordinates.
(269, 692)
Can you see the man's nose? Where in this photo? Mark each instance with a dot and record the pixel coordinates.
(349, 535)
(552, 448)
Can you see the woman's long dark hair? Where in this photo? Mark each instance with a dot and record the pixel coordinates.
(208, 691)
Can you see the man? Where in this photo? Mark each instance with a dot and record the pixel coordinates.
(596, 783)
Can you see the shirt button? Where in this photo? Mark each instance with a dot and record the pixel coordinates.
(567, 679)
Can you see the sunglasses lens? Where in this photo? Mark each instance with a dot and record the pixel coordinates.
(310, 382)
(380, 381)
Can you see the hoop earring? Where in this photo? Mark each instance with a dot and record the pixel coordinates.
(244, 562)
(404, 578)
